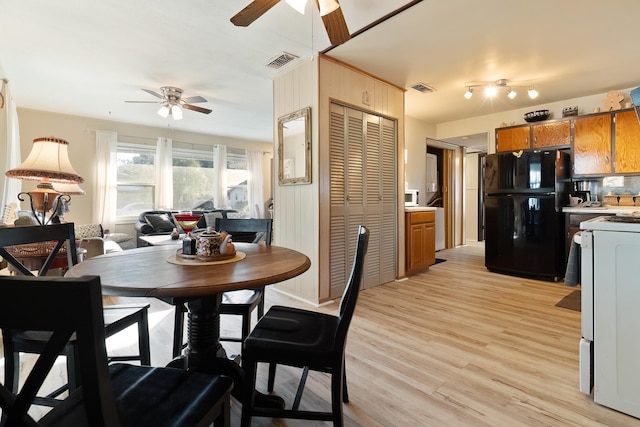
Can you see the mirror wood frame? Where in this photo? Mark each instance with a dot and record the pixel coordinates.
(287, 144)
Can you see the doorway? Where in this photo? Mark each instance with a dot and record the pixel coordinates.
(463, 186)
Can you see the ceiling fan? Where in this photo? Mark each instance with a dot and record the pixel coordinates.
(173, 102)
(330, 12)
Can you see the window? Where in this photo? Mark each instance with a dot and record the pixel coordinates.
(237, 193)
(136, 179)
(192, 179)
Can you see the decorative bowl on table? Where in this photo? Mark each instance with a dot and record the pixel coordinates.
(536, 116)
(187, 221)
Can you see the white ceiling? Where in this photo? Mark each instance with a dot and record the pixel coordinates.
(86, 57)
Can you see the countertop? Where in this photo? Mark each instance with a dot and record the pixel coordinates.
(423, 208)
(602, 209)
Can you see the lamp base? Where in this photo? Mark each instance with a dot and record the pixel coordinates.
(44, 199)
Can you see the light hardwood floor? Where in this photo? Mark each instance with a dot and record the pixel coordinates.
(454, 346)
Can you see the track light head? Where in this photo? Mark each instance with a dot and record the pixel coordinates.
(469, 93)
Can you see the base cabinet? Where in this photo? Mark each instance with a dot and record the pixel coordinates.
(420, 240)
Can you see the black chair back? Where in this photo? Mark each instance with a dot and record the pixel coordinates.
(34, 241)
(62, 306)
(249, 230)
(352, 290)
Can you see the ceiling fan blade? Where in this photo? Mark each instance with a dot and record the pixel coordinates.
(253, 11)
(153, 93)
(145, 102)
(336, 26)
(196, 108)
(193, 99)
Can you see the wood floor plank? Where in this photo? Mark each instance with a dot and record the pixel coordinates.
(454, 346)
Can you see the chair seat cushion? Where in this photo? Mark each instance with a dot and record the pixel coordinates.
(287, 335)
(147, 396)
(242, 297)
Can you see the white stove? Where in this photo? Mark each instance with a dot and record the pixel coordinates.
(628, 223)
(610, 345)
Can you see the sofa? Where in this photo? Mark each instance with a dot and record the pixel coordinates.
(93, 239)
(151, 223)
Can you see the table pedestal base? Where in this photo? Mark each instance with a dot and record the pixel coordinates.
(205, 353)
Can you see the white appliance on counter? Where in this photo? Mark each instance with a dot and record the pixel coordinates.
(610, 344)
(411, 197)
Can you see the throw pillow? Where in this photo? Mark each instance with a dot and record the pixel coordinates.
(160, 222)
(210, 218)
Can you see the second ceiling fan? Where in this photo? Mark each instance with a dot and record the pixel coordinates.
(330, 11)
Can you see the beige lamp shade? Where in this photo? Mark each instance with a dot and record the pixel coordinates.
(49, 158)
(68, 189)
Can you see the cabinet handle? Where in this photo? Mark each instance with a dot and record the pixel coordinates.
(348, 197)
(606, 159)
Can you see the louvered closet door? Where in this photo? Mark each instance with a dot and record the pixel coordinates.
(388, 221)
(362, 192)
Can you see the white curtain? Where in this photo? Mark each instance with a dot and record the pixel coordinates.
(164, 174)
(10, 117)
(105, 194)
(254, 183)
(220, 176)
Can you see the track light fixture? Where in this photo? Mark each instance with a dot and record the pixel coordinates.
(491, 89)
(469, 93)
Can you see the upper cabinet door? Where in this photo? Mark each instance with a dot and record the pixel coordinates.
(592, 145)
(513, 138)
(627, 142)
(552, 134)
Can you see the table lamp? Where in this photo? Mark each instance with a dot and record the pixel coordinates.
(48, 162)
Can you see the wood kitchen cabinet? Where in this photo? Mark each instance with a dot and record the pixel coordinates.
(552, 134)
(627, 142)
(420, 240)
(592, 145)
(513, 138)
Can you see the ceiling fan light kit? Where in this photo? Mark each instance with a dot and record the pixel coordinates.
(491, 89)
(173, 102)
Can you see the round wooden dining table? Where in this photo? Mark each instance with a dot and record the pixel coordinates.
(147, 272)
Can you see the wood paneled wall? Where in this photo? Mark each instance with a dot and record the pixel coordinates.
(301, 214)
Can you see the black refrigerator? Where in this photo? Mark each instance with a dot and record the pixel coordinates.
(524, 225)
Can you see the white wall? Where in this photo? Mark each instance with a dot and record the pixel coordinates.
(296, 206)
(470, 211)
(415, 144)
(78, 132)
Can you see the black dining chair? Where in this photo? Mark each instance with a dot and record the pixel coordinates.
(307, 339)
(241, 302)
(110, 395)
(49, 244)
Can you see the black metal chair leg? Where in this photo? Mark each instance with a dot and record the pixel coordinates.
(11, 362)
(143, 339)
(272, 376)
(178, 323)
(336, 397)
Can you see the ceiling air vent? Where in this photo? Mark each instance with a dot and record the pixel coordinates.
(281, 60)
(421, 87)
